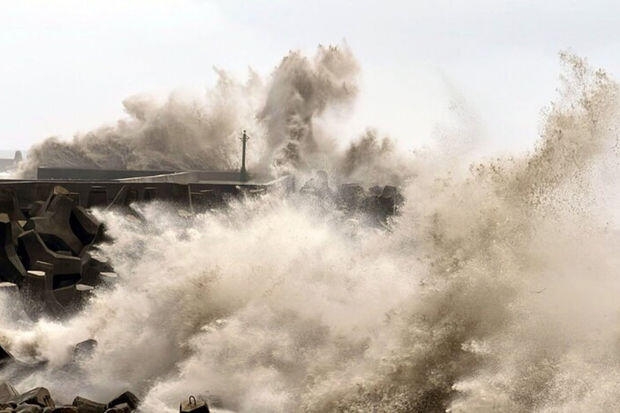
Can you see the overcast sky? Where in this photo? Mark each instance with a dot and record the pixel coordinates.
(67, 65)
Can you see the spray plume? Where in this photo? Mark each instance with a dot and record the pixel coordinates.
(182, 134)
(494, 290)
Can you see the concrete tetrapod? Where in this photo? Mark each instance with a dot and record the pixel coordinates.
(54, 226)
(9, 205)
(51, 277)
(11, 268)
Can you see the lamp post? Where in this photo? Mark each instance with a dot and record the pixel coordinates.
(243, 175)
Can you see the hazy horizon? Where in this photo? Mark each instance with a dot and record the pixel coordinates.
(69, 66)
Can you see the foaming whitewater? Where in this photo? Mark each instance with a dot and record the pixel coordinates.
(495, 289)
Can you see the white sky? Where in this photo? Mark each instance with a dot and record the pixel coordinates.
(67, 65)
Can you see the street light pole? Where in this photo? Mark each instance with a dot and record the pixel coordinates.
(244, 174)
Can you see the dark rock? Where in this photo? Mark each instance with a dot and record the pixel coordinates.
(383, 202)
(39, 396)
(194, 406)
(391, 199)
(350, 196)
(88, 406)
(127, 397)
(83, 350)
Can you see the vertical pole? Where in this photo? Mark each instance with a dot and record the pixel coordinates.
(189, 197)
(244, 173)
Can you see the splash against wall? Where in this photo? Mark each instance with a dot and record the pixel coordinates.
(496, 288)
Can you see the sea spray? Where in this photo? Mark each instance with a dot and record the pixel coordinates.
(494, 290)
(201, 134)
